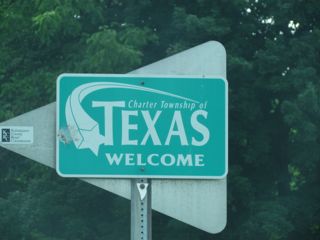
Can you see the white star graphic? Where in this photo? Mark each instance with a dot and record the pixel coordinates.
(92, 139)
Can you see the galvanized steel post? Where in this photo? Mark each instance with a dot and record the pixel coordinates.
(141, 213)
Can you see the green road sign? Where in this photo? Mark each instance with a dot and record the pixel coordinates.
(130, 126)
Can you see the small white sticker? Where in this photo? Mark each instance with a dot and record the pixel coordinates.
(16, 135)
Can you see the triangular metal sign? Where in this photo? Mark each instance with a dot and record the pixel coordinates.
(200, 203)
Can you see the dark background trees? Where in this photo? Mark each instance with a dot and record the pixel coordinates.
(273, 52)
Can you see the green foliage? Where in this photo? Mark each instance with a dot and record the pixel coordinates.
(115, 51)
(273, 52)
(268, 221)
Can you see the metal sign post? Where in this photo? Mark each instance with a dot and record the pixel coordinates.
(141, 212)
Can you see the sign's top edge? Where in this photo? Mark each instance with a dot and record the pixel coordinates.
(132, 75)
(209, 47)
